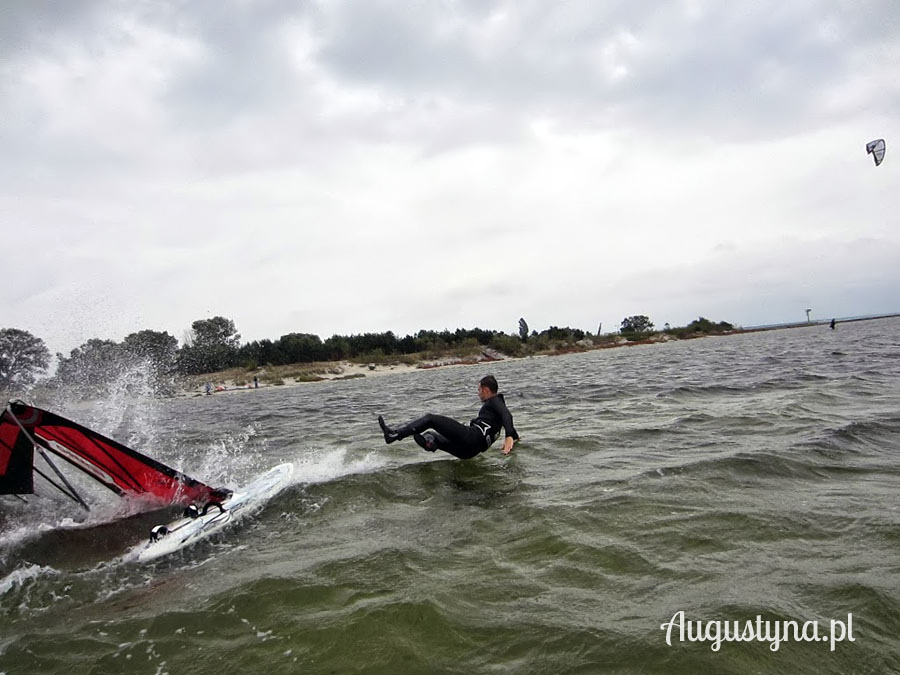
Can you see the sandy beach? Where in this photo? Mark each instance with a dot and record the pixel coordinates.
(230, 382)
(237, 380)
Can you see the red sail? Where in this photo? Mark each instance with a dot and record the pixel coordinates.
(16, 459)
(121, 469)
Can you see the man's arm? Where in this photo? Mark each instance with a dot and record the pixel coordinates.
(506, 419)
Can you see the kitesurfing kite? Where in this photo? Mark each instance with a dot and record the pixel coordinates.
(876, 149)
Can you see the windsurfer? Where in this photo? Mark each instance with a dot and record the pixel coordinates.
(437, 432)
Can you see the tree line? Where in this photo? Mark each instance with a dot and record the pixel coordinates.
(152, 359)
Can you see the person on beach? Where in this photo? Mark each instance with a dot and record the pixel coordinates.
(436, 432)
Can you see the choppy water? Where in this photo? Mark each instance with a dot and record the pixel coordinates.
(726, 478)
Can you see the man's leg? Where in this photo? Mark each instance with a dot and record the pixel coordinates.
(447, 434)
(458, 439)
(431, 441)
(399, 433)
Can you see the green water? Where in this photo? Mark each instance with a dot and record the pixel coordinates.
(725, 478)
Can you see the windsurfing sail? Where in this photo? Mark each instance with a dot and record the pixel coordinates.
(126, 472)
(876, 148)
(16, 460)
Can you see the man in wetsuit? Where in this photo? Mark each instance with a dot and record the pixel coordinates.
(436, 432)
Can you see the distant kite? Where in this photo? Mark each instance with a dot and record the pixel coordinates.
(876, 149)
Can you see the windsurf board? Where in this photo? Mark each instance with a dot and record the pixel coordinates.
(166, 539)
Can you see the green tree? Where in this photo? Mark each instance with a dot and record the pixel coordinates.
(302, 348)
(91, 368)
(256, 353)
(637, 324)
(703, 325)
(556, 334)
(215, 332)
(213, 345)
(157, 347)
(507, 344)
(156, 352)
(337, 347)
(373, 343)
(408, 345)
(523, 329)
(22, 357)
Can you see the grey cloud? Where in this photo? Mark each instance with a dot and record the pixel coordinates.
(247, 65)
(240, 154)
(729, 71)
(446, 74)
(29, 25)
(760, 75)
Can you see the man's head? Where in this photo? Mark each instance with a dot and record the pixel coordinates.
(487, 387)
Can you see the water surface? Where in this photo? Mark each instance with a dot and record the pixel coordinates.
(726, 478)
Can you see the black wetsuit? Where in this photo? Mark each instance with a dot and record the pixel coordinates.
(467, 441)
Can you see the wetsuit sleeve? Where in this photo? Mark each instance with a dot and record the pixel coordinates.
(505, 417)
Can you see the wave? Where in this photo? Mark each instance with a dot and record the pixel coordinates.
(49, 538)
(791, 463)
(702, 390)
(873, 437)
(20, 576)
(328, 464)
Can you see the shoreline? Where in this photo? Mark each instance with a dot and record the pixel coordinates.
(338, 370)
(240, 380)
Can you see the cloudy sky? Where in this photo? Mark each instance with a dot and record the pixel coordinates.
(351, 166)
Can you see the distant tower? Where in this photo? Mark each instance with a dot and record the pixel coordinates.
(807, 315)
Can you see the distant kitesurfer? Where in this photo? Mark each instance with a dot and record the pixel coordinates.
(436, 432)
(832, 324)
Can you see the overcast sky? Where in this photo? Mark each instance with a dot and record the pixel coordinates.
(361, 166)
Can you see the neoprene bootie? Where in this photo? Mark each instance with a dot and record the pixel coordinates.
(425, 441)
(389, 434)
(398, 434)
